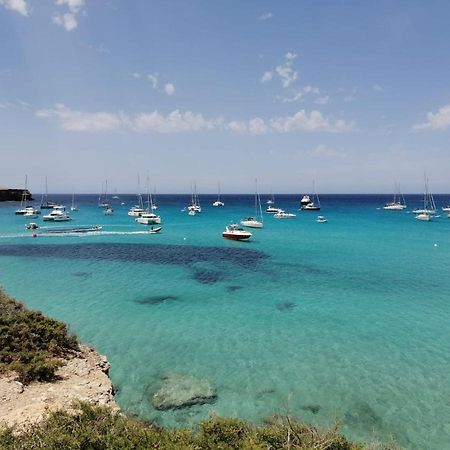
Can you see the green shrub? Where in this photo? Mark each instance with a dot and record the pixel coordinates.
(30, 343)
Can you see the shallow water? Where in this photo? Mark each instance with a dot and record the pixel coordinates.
(347, 319)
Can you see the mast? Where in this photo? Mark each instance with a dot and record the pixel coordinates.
(258, 201)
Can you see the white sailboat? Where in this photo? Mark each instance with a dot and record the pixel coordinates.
(398, 203)
(218, 202)
(138, 209)
(194, 207)
(148, 217)
(253, 222)
(429, 207)
(73, 207)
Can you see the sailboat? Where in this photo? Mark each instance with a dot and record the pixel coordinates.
(103, 197)
(398, 203)
(194, 207)
(429, 207)
(45, 204)
(138, 209)
(218, 202)
(24, 210)
(73, 206)
(253, 222)
(148, 217)
(307, 204)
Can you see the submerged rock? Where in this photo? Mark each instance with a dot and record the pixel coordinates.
(234, 288)
(178, 391)
(286, 306)
(155, 299)
(207, 276)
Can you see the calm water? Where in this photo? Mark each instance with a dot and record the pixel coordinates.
(347, 319)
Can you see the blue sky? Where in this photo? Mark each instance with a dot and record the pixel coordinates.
(352, 94)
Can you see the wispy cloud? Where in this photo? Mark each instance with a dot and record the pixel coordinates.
(71, 120)
(435, 121)
(179, 122)
(322, 100)
(284, 72)
(299, 94)
(154, 78)
(323, 151)
(265, 16)
(68, 20)
(377, 88)
(19, 6)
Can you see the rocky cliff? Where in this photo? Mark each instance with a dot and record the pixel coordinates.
(13, 195)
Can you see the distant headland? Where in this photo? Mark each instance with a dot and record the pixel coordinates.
(14, 195)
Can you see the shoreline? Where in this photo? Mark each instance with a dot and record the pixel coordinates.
(83, 377)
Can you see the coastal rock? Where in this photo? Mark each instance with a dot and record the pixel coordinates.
(14, 195)
(83, 377)
(178, 391)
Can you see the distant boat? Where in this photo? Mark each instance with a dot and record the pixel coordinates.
(272, 210)
(308, 204)
(148, 217)
(73, 207)
(103, 197)
(45, 204)
(57, 215)
(398, 203)
(108, 211)
(194, 206)
(321, 219)
(253, 222)
(284, 215)
(236, 233)
(24, 209)
(429, 206)
(153, 230)
(138, 209)
(218, 202)
(271, 200)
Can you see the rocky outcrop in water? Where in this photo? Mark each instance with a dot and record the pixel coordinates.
(13, 195)
(83, 377)
(178, 391)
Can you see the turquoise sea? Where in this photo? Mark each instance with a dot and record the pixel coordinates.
(347, 320)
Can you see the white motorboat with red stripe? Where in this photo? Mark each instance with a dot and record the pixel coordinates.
(236, 233)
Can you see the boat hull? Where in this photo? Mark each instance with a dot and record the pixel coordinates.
(236, 236)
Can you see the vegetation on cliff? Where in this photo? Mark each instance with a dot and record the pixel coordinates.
(31, 344)
(100, 428)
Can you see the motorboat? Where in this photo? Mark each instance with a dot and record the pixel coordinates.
(321, 219)
(57, 215)
(154, 230)
(31, 213)
(305, 200)
(446, 208)
(32, 226)
(284, 215)
(272, 210)
(311, 206)
(251, 222)
(108, 211)
(310, 202)
(236, 233)
(148, 218)
(136, 211)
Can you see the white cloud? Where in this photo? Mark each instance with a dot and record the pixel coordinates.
(169, 89)
(179, 122)
(286, 74)
(81, 121)
(312, 122)
(267, 76)
(175, 122)
(377, 88)
(265, 16)
(323, 151)
(299, 94)
(19, 6)
(68, 20)
(435, 121)
(153, 79)
(136, 75)
(285, 71)
(322, 100)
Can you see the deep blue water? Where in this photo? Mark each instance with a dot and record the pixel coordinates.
(347, 319)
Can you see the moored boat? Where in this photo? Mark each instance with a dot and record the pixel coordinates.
(236, 233)
(281, 214)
